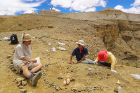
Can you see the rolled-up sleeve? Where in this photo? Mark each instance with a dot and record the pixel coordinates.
(19, 52)
(113, 60)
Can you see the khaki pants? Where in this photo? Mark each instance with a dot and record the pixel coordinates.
(18, 65)
(87, 61)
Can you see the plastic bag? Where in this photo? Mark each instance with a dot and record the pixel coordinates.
(113, 71)
(136, 76)
(61, 48)
(61, 43)
(53, 49)
(6, 38)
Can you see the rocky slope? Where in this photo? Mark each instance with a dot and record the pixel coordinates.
(108, 29)
(119, 32)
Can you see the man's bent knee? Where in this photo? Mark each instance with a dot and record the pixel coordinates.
(24, 67)
(41, 65)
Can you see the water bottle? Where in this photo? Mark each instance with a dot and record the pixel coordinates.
(119, 89)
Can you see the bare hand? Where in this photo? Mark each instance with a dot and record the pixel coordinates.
(69, 63)
(78, 62)
(34, 60)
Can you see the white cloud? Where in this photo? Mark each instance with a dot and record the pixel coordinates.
(119, 7)
(63, 3)
(79, 5)
(90, 9)
(55, 9)
(29, 0)
(10, 8)
(136, 3)
(134, 9)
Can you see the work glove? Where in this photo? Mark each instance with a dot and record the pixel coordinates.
(113, 71)
(95, 62)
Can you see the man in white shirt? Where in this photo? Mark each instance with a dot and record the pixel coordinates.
(23, 62)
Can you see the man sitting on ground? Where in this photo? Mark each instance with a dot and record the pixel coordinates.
(23, 62)
(80, 53)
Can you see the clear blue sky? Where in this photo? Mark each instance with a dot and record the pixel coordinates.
(17, 7)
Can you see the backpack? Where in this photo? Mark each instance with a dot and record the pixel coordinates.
(14, 39)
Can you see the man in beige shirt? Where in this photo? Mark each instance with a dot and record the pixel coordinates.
(107, 59)
(23, 62)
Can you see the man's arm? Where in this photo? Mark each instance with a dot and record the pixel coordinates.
(82, 59)
(29, 60)
(113, 60)
(70, 59)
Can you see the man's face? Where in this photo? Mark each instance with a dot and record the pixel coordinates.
(80, 46)
(27, 43)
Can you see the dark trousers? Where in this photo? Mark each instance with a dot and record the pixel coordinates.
(105, 63)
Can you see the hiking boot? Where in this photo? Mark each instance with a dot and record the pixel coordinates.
(35, 78)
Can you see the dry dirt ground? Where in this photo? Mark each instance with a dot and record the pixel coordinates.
(55, 67)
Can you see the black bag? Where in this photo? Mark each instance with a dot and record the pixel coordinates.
(14, 39)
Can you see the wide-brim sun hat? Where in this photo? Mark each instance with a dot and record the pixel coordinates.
(102, 55)
(26, 37)
(81, 42)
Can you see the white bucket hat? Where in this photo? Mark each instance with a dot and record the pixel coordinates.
(80, 42)
(26, 37)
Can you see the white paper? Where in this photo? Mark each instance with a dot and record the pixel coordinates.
(38, 59)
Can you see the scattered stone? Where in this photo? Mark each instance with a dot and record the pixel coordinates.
(57, 88)
(23, 91)
(89, 69)
(51, 84)
(116, 89)
(20, 79)
(47, 82)
(21, 87)
(60, 88)
(19, 84)
(138, 67)
(118, 82)
(11, 66)
(46, 65)
(79, 90)
(74, 89)
(30, 92)
(66, 81)
(72, 79)
(60, 77)
(11, 62)
(91, 74)
(9, 56)
(24, 83)
(12, 69)
(10, 59)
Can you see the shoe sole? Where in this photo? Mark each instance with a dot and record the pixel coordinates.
(36, 78)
